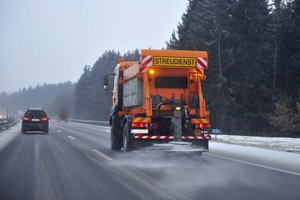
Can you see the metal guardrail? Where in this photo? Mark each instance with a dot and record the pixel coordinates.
(2, 123)
(94, 122)
(6, 124)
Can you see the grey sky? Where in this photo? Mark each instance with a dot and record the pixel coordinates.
(50, 41)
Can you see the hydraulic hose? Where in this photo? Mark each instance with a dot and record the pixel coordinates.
(168, 102)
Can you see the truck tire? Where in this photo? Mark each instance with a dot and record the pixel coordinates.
(127, 141)
(115, 140)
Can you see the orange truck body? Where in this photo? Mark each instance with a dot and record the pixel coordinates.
(172, 76)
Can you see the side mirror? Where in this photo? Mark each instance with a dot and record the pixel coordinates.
(105, 82)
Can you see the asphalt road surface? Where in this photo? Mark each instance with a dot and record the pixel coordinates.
(74, 162)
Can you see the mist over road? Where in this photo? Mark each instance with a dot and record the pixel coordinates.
(74, 161)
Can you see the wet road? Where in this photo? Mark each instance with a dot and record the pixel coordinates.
(74, 161)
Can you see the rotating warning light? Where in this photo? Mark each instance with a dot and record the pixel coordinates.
(151, 72)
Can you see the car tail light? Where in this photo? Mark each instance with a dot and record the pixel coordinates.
(26, 118)
(138, 125)
(44, 119)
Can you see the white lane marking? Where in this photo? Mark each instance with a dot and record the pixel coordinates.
(71, 137)
(59, 131)
(255, 164)
(102, 154)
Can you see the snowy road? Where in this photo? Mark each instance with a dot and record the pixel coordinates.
(275, 160)
(74, 162)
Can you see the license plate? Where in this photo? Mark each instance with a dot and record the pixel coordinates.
(35, 120)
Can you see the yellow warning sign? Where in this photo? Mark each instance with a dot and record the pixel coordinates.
(174, 61)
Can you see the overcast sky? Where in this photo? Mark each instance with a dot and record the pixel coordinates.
(50, 41)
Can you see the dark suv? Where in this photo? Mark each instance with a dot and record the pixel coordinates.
(35, 119)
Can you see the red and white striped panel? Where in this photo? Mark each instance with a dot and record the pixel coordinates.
(195, 137)
(148, 137)
(147, 61)
(201, 65)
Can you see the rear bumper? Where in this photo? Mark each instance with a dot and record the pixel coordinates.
(35, 127)
(198, 141)
(184, 138)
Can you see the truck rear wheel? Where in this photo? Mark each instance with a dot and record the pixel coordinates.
(127, 141)
(115, 139)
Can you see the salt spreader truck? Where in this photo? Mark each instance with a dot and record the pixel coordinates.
(159, 100)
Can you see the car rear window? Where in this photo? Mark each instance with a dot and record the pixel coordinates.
(35, 113)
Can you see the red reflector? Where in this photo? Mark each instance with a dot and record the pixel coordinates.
(44, 119)
(138, 125)
(207, 125)
(154, 126)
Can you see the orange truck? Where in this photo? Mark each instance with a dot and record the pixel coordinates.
(62, 115)
(159, 100)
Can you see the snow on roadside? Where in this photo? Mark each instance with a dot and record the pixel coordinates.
(274, 143)
(8, 135)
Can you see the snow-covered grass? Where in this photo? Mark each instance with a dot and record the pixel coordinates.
(274, 143)
(8, 135)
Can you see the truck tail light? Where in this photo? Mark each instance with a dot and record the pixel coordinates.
(202, 126)
(207, 125)
(198, 125)
(138, 125)
(154, 126)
